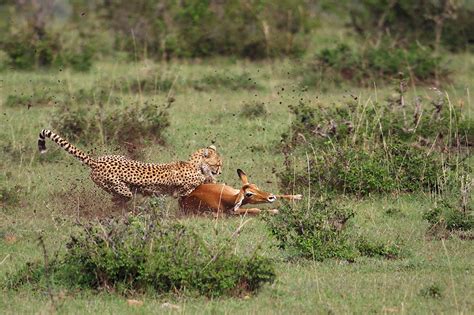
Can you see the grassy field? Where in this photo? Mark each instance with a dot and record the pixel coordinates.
(433, 276)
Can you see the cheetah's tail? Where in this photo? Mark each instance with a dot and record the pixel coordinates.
(71, 149)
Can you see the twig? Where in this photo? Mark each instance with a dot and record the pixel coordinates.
(451, 273)
(47, 272)
(382, 19)
(236, 232)
(402, 102)
(239, 229)
(4, 259)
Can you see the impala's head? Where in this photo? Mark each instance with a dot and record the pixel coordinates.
(208, 160)
(250, 193)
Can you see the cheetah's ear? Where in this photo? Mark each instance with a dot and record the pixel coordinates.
(213, 147)
(206, 153)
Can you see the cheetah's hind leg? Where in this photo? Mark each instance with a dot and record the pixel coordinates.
(120, 191)
(119, 200)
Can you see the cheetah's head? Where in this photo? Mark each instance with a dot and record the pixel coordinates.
(209, 161)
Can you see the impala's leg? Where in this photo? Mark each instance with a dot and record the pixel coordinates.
(290, 197)
(181, 205)
(253, 211)
(218, 212)
(243, 211)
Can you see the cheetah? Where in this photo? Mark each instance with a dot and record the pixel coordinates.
(122, 177)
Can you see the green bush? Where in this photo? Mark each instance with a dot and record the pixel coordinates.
(371, 248)
(373, 64)
(194, 28)
(152, 81)
(358, 161)
(465, 130)
(137, 122)
(17, 149)
(434, 291)
(132, 125)
(254, 110)
(57, 95)
(361, 171)
(378, 148)
(92, 96)
(321, 230)
(140, 254)
(77, 124)
(229, 81)
(450, 214)
(36, 99)
(10, 196)
(26, 51)
(5, 61)
(35, 39)
(313, 231)
(437, 124)
(415, 21)
(394, 212)
(152, 85)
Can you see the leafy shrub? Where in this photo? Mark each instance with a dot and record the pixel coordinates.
(151, 80)
(434, 291)
(394, 212)
(34, 38)
(361, 171)
(206, 28)
(17, 149)
(31, 272)
(5, 60)
(27, 50)
(452, 213)
(139, 122)
(465, 130)
(55, 95)
(228, 81)
(374, 64)
(437, 124)
(313, 231)
(152, 85)
(377, 148)
(319, 231)
(92, 96)
(254, 110)
(77, 124)
(144, 255)
(372, 248)
(435, 23)
(133, 125)
(10, 196)
(36, 99)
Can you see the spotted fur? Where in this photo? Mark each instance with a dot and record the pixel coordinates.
(123, 177)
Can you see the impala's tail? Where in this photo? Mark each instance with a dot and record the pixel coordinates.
(71, 149)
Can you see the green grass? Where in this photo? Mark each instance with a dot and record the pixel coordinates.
(199, 118)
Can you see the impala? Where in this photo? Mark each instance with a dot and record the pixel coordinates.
(221, 198)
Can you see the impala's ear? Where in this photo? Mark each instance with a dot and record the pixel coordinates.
(213, 147)
(205, 153)
(243, 176)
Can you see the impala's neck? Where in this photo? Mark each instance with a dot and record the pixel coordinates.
(239, 200)
(228, 196)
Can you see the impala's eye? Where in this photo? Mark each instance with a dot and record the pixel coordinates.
(248, 194)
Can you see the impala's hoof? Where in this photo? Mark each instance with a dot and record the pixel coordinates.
(298, 197)
(273, 211)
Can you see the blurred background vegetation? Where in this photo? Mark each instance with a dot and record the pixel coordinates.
(390, 34)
